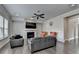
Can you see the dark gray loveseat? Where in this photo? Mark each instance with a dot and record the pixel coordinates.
(41, 43)
(16, 41)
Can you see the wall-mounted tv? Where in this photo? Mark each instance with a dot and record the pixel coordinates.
(30, 25)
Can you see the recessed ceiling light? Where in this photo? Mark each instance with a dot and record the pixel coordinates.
(72, 5)
(77, 18)
(16, 14)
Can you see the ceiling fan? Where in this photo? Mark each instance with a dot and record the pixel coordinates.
(38, 15)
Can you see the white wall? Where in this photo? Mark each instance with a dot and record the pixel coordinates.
(58, 24)
(18, 27)
(39, 29)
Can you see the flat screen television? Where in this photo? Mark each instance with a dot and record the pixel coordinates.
(30, 25)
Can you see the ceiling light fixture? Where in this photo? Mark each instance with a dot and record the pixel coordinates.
(72, 5)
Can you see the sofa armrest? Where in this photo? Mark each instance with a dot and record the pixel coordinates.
(17, 41)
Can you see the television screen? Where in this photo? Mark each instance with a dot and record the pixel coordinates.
(30, 25)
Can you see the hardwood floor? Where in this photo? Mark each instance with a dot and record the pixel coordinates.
(61, 48)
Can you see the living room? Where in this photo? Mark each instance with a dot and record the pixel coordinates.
(32, 21)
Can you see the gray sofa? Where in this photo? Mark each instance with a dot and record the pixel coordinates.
(41, 43)
(16, 41)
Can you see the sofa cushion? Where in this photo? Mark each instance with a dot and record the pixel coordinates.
(18, 36)
(53, 34)
(44, 34)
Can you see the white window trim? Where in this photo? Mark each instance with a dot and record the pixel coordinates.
(4, 29)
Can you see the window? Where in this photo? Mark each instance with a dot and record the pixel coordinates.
(3, 28)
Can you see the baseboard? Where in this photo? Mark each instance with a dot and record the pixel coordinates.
(60, 41)
(71, 39)
(42, 49)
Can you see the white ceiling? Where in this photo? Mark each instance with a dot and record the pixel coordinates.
(27, 10)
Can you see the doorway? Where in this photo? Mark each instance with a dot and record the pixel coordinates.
(71, 28)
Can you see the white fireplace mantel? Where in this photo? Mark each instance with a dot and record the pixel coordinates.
(32, 30)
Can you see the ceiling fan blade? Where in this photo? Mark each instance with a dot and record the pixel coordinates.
(37, 18)
(42, 17)
(42, 14)
(35, 14)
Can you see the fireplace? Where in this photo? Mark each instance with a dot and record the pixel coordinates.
(30, 34)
